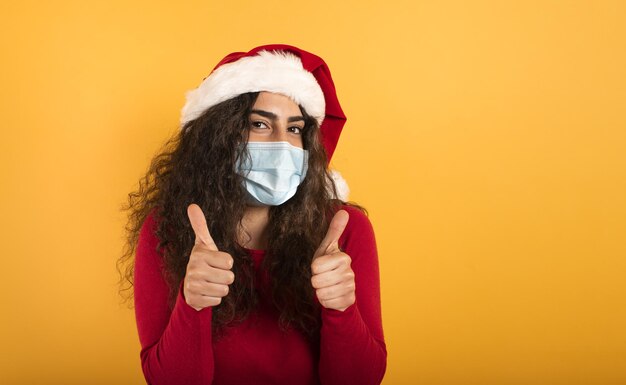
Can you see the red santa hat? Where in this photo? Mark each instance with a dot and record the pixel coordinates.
(279, 68)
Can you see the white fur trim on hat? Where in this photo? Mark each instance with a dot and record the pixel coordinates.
(273, 71)
(343, 191)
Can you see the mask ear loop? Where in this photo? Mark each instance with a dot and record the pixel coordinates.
(244, 165)
(305, 166)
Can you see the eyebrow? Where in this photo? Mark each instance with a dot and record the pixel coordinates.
(273, 116)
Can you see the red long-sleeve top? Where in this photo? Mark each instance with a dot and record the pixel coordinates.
(177, 346)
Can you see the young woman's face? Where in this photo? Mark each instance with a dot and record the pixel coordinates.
(276, 118)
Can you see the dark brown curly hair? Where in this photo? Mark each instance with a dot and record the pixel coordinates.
(197, 165)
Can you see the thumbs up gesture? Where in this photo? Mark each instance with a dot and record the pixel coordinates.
(208, 270)
(332, 277)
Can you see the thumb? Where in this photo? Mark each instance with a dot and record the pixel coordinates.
(200, 228)
(330, 243)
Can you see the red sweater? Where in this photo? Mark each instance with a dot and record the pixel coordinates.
(178, 348)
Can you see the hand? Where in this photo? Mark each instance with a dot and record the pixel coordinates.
(333, 278)
(208, 270)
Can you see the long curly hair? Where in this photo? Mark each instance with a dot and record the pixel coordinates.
(197, 165)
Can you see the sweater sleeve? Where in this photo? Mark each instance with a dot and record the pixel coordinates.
(176, 344)
(352, 345)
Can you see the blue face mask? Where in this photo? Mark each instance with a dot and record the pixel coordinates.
(273, 172)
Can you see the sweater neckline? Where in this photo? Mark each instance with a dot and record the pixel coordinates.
(255, 252)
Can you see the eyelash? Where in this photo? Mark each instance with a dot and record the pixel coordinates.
(289, 128)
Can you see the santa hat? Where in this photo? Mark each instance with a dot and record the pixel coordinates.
(283, 69)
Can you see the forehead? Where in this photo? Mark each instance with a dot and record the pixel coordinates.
(277, 103)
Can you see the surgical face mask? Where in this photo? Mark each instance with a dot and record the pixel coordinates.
(273, 171)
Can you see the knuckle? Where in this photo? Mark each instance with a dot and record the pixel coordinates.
(191, 299)
(196, 287)
(196, 253)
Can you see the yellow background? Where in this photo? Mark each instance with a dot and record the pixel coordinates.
(487, 139)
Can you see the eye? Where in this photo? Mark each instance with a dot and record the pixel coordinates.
(259, 124)
(295, 130)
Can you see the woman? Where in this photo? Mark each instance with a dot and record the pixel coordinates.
(249, 268)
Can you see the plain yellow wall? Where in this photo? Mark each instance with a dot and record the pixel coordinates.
(486, 138)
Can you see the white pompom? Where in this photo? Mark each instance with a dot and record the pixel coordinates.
(343, 191)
